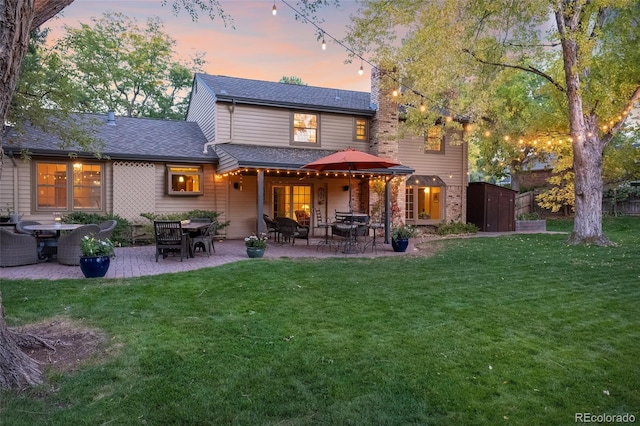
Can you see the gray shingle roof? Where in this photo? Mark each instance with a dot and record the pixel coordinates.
(288, 95)
(129, 139)
(254, 156)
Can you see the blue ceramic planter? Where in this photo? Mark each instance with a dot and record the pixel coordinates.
(95, 267)
(255, 252)
(400, 244)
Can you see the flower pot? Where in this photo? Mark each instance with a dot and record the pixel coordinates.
(94, 266)
(255, 252)
(400, 244)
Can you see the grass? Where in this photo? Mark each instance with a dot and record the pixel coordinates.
(517, 329)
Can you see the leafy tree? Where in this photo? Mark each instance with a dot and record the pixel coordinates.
(17, 19)
(292, 80)
(457, 55)
(122, 67)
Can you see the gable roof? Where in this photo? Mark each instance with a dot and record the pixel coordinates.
(285, 95)
(126, 138)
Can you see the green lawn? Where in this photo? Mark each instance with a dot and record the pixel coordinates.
(518, 329)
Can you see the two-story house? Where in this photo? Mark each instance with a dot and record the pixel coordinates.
(240, 152)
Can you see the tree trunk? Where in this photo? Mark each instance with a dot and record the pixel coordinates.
(17, 19)
(587, 148)
(17, 370)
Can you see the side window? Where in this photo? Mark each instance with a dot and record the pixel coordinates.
(434, 140)
(360, 129)
(184, 180)
(305, 128)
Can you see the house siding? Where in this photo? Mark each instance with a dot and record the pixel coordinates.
(202, 109)
(266, 126)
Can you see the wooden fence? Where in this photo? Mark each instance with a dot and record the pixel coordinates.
(525, 203)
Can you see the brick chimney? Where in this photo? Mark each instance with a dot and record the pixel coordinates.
(384, 125)
(385, 133)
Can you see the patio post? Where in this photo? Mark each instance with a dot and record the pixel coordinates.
(260, 201)
(387, 209)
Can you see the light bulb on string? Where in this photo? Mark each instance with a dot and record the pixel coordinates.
(324, 43)
(361, 70)
(274, 10)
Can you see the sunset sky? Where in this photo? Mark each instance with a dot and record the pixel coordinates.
(260, 47)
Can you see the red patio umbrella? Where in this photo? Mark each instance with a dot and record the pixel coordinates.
(350, 159)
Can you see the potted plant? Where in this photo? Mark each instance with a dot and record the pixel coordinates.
(400, 236)
(6, 213)
(95, 256)
(256, 244)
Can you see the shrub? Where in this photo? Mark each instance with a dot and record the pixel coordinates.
(121, 234)
(209, 214)
(453, 228)
(529, 216)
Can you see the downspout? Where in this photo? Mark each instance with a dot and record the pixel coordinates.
(231, 108)
(16, 189)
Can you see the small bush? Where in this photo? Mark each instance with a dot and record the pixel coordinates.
(209, 214)
(121, 234)
(529, 216)
(453, 228)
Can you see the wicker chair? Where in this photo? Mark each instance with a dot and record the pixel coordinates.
(205, 238)
(290, 230)
(170, 238)
(17, 249)
(69, 244)
(271, 227)
(106, 229)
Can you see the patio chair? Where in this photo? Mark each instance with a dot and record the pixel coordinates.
(17, 249)
(69, 244)
(47, 240)
(106, 229)
(170, 238)
(205, 239)
(290, 230)
(323, 225)
(272, 227)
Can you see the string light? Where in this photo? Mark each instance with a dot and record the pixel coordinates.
(274, 10)
(466, 126)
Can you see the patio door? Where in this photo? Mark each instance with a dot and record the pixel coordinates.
(289, 198)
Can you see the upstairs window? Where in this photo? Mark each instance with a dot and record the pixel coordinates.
(184, 180)
(360, 129)
(434, 140)
(305, 128)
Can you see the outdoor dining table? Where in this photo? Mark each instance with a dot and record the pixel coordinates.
(57, 227)
(351, 223)
(50, 249)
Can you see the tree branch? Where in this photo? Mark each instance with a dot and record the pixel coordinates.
(518, 67)
(614, 129)
(43, 10)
